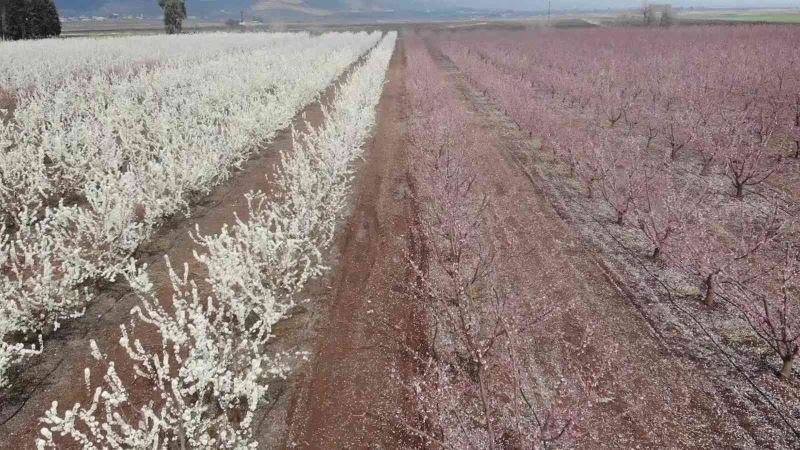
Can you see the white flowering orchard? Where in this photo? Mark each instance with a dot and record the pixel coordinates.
(100, 140)
(211, 373)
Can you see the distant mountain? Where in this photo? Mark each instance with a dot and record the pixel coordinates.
(369, 8)
(147, 8)
(224, 8)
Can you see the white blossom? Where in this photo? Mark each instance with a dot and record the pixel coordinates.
(110, 142)
(212, 371)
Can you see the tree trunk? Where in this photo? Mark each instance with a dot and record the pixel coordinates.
(3, 19)
(739, 190)
(786, 370)
(182, 436)
(706, 169)
(711, 296)
(620, 217)
(656, 252)
(485, 402)
(649, 141)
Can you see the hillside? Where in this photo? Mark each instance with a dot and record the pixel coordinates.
(221, 8)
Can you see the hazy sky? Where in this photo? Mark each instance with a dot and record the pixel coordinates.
(602, 4)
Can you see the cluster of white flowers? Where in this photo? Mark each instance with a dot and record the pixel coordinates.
(212, 371)
(88, 170)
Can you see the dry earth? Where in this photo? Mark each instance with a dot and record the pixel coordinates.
(350, 393)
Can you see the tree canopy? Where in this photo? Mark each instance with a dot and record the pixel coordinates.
(29, 19)
(174, 14)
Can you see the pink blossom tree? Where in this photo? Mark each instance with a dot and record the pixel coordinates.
(661, 209)
(623, 180)
(678, 129)
(615, 103)
(770, 301)
(747, 158)
(651, 124)
(590, 162)
(708, 149)
(712, 252)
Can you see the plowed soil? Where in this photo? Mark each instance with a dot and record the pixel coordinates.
(351, 391)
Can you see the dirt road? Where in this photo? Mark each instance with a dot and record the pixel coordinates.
(351, 389)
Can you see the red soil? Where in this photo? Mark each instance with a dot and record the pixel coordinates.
(352, 389)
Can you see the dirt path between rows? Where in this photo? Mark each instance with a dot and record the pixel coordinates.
(58, 373)
(352, 387)
(643, 396)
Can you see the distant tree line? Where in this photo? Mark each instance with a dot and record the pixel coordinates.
(28, 19)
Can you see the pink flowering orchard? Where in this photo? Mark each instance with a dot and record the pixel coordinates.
(653, 122)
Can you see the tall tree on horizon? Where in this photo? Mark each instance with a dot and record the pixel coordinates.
(44, 21)
(17, 20)
(3, 15)
(29, 19)
(52, 23)
(174, 14)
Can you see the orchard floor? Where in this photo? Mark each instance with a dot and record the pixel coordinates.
(651, 389)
